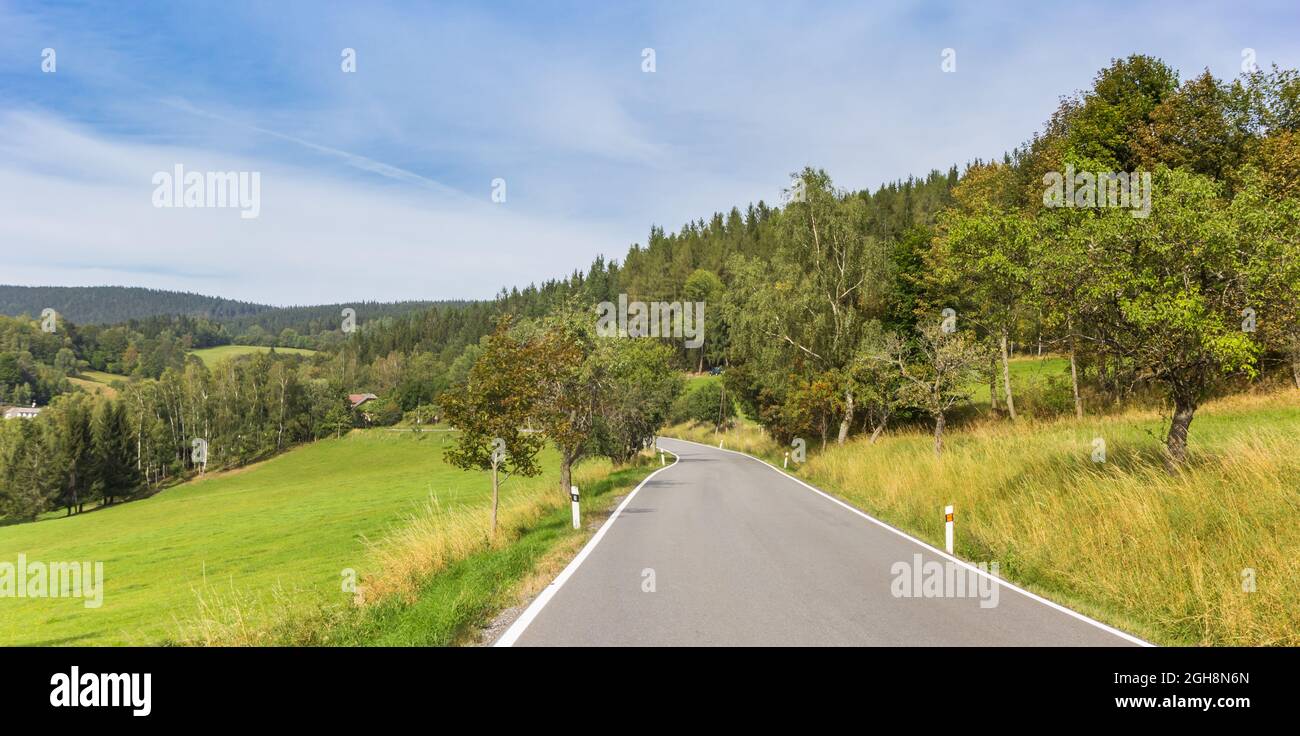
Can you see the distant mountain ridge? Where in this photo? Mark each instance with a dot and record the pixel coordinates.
(113, 304)
(89, 305)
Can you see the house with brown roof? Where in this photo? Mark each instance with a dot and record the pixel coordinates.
(359, 399)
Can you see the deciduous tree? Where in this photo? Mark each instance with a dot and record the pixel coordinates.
(492, 411)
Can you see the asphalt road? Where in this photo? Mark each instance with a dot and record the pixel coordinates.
(723, 550)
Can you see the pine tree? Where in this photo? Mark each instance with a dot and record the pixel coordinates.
(115, 471)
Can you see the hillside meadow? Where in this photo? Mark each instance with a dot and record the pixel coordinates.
(1207, 556)
(101, 382)
(97, 382)
(214, 560)
(212, 356)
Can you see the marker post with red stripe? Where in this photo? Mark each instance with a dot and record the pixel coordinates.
(947, 528)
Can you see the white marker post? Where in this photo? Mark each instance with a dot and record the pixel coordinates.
(719, 444)
(573, 494)
(786, 462)
(661, 458)
(947, 527)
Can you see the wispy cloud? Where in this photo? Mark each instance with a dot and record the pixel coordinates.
(317, 239)
(352, 159)
(395, 161)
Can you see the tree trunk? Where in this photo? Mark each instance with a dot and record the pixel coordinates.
(279, 439)
(566, 472)
(993, 385)
(1295, 372)
(722, 397)
(1074, 376)
(139, 441)
(848, 418)
(875, 433)
(495, 487)
(1176, 442)
(939, 422)
(1006, 378)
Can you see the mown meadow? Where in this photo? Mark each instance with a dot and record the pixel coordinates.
(212, 356)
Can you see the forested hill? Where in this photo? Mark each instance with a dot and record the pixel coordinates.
(694, 263)
(108, 305)
(312, 320)
(115, 304)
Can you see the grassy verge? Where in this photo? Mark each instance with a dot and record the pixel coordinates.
(450, 606)
(440, 577)
(1167, 557)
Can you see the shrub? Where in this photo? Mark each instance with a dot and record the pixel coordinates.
(707, 405)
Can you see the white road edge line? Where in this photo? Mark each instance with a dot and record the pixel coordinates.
(517, 628)
(936, 550)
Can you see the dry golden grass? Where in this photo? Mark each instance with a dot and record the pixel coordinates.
(231, 618)
(1167, 557)
(743, 437)
(431, 539)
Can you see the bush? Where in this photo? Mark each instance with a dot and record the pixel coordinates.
(706, 405)
(681, 409)
(384, 412)
(1047, 399)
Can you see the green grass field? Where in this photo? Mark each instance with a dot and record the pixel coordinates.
(286, 528)
(212, 356)
(1028, 374)
(695, 380)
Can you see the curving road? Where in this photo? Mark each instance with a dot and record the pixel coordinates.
(721, 549)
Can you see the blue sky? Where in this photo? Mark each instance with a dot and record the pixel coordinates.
(377, 184)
